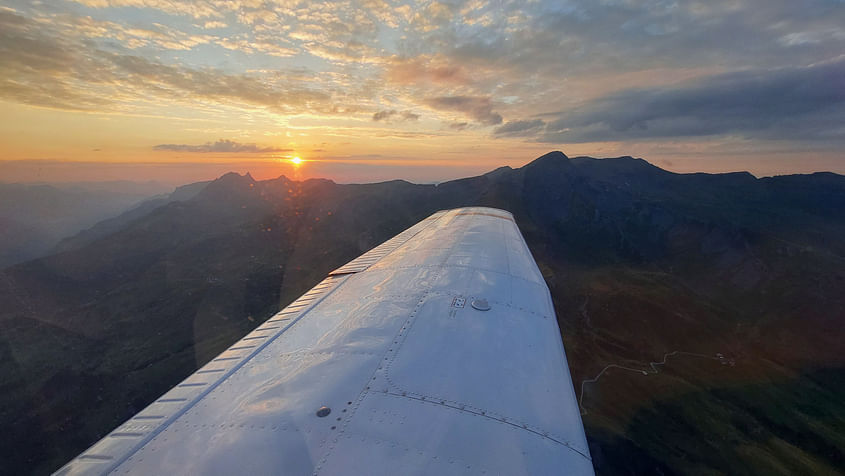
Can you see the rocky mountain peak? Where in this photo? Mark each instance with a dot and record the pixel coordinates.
(554, 159)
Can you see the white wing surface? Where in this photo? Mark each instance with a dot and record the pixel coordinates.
(436, 353)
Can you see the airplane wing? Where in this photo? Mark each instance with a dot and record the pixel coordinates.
(437, 352)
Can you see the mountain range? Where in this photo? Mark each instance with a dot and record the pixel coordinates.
(702, 314)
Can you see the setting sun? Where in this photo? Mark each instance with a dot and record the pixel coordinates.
(296, 160)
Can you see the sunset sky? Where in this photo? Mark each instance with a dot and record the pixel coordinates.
(426, 91)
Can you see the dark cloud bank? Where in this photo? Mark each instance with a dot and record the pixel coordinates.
(797, 103)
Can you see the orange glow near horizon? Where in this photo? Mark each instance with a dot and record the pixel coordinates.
(160, 92)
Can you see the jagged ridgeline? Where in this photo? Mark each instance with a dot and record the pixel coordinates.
(702, 314)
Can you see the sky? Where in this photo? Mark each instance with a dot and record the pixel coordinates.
(426, 91)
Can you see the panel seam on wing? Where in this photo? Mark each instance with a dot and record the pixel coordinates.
(460, 407)
(406, 325)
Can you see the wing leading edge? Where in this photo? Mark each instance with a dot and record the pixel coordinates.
(437, 352)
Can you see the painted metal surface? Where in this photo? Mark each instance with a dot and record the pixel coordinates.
(386, 367)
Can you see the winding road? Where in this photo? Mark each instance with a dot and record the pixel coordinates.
(645, 372)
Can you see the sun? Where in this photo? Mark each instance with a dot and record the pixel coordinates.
(296, 160)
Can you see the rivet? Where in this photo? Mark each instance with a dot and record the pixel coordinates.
(323, 411)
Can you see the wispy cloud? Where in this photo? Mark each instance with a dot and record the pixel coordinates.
(215, 84)
(42, 67)
(220, 146)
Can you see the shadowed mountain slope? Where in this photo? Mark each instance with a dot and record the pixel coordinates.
(682, 299)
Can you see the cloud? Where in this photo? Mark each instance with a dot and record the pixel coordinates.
(797, 103)
(381, 115)
(243, 45)
(40, 66)
(519, 128)
(556, 55)
(421, 69)
(220, 146)
(433, 16)
(622, 70)
(403, 115)
(195, 9)
(214, 84)
(478, 108)
(409, 116)
(134, 37)
(37, 68)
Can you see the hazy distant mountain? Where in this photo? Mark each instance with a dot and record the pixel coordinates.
(34, 217)
(736, 283)
(111, 225)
